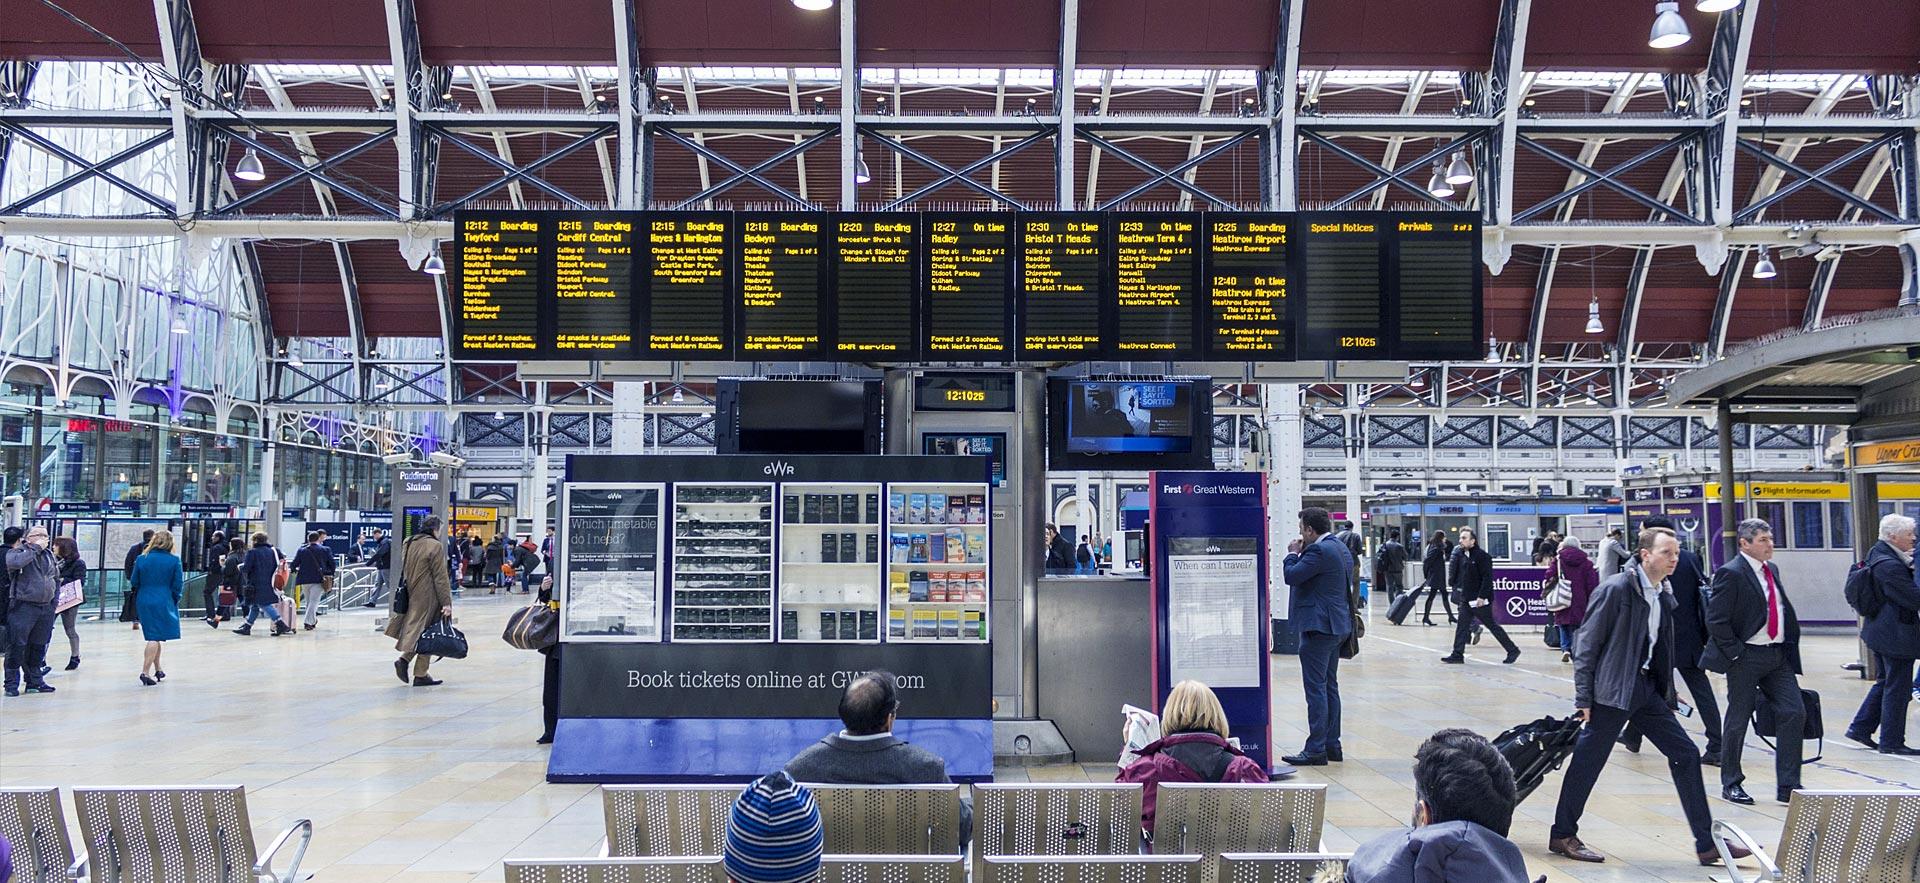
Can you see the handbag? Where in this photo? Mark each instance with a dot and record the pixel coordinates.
(441, 639)
(281, 575)
(1560, 596)
(533, 628)
(70, 595)
(128, 613)
(400, 595)
(1766, 726)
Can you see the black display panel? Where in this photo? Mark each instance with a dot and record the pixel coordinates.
(1248, 271)
(1156, 285)
(782, 305)
(592, 282)
(968, 278)
(875, 273)
(1063, 285)
(498, 290)
(798, 417)
(688, 280)
(1437, 286)
(1343, 285)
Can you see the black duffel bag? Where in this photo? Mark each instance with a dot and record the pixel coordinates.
(1767, 727)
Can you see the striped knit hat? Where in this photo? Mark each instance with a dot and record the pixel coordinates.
(773, 834)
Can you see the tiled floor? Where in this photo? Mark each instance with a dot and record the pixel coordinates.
(441, 784)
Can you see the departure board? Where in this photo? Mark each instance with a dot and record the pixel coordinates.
(1063, 285)
(1247, 276)
(593, 286)
(968, 286)
(1342, 287)
(1156, 286)
(689, 266)
(498, 293)
(782, 285)
(1437, 267)
(874, 265)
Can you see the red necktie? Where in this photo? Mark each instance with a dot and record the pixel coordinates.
(1773, 605)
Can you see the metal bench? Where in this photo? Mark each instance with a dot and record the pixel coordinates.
(1093, 869)
(1040, 820)
(889, 819)
(177, 835)
(1261, 817)
(893, 869)
(1837, 836)
(708, 869)
(1270, 867)
(31, 820)
(667, 820)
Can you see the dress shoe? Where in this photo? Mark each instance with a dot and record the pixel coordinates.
(1710, 758)
(1454, 660)
(1427, 621)
(1335, 755)
(426, 682)
(1572, 848)
(39, 688)
(545, 739)
(1712, 856)
(159, 675)
(147, 680)
(1901, 751)
(13, 692)
(1783, 795)
(400, 669)
(1736, 794)
(1305, 759)
(1863, 738)
(1511, 658)
(1631, 744)
(244, 630)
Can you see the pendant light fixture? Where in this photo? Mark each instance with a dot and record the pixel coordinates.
(814, 5)
(1669, 29)
(293, 359)
(249, 168)
(434, 265)
(1764, 269)
(679, 397)
(1493, 349)
(1715, 5)
(1593, 316)
(179, 320)
(1437, 183)
(1458, 171)
(1419, 380)
(861, 174)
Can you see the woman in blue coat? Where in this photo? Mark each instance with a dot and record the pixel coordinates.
(157, 581)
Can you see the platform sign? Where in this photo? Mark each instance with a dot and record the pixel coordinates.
(687, 281)
(1247, 272)
(1518, 596)
(1063, 285)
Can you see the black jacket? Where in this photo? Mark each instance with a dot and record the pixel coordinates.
(382, 555)
(257, 570)
(1393, 557)
(1473, 573)
(1059, 554)
(1612, 642)
(1689, 582)
(132, 554)
(1737, 608)
(1435, 566)
(1895, 629)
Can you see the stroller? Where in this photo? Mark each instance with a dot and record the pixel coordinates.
(1536, 749)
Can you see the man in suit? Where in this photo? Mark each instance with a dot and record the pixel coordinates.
(1623, 671)
(1319, 570)
(1753, 638)
(1891, 629)
(1689, 638)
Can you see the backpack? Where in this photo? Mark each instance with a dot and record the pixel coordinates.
(1861, 592)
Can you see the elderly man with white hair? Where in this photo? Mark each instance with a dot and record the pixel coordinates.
(1889, 605)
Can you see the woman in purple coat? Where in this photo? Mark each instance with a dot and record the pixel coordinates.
(1578, 568)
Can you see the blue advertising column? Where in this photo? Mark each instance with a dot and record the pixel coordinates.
(1207, 537)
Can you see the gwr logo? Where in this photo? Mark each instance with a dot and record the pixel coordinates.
(778, 467)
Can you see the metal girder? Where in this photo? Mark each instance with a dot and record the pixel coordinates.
(1396, 177)
(1281, 172)
(1509, 51)
(1725, 79)
(16, 79)
(742, 173)
(87, 171)
(520, 172)
(634, 97)
(1063, 104)
(1172, 176)
(92, 169)
(849, 105)
(1818, 178)
(504, 386)
(962, 175)
(322, 381)
(315, 172)
(409, 73)
(1609, 179)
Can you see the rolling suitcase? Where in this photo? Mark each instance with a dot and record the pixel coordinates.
(1536, 749)
(1401, 606)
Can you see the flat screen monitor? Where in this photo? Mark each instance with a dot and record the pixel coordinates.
(799, 417)
(1130, 424)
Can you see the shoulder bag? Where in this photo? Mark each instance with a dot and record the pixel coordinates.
(1559, 596)
(400, 594)
(441, 639)
(1350, 647)
(71, 593)
(533, 628)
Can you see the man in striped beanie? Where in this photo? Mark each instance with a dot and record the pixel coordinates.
(773, 834)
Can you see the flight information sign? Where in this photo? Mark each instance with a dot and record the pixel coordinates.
(498, 294)
(874, 263)
(592, 285)
(1247, 272)
(1156, 286)
(782, 286)
(968, 286)
(1063, 285)
(1343, 285)
(689, 269)
(1437, 276)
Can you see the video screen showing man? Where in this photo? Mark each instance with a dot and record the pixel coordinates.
(1130, 417)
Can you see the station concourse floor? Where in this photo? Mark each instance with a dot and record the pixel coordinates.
(438, 785)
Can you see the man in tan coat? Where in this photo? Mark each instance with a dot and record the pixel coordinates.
(423, 575)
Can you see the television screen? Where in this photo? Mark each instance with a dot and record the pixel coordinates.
(805, 417)
(1128, 417)
(992, 445)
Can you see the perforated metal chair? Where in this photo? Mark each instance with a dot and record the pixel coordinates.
(889, 819)
(177, 835)
(1837, 837)
(893, 869)
(667, 820)
(1271, 867)
(31, 820)
(1039, 819)
(1258, 817)
(1093, 869)
(652, 869)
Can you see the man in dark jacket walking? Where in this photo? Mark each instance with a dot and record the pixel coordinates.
(1473, 577)
(1623, 671)
(1464, 795)
(313, 570)
(382, 562)
(1689, 582)
(1753, 637)
(1391, 565)
(866, 752)
(1893, 634)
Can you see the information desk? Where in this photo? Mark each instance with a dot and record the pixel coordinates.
(1092, 629)
(714, 608)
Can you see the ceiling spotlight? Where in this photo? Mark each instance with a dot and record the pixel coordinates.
(447, 95)
(1458, 172)
(1437, 184)
(434, 266)
(499, 415)
(249, 168)
(1669, 29)
(1493, 349)
(679, 397)
(179, 320)
(1248, 106)
(1764, 269)
(1593, 316)
(819, 104)
(1032, 107)
(293, 361)
(1419, 380)
(1715, 5)
(861, 174)
(814, 5)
